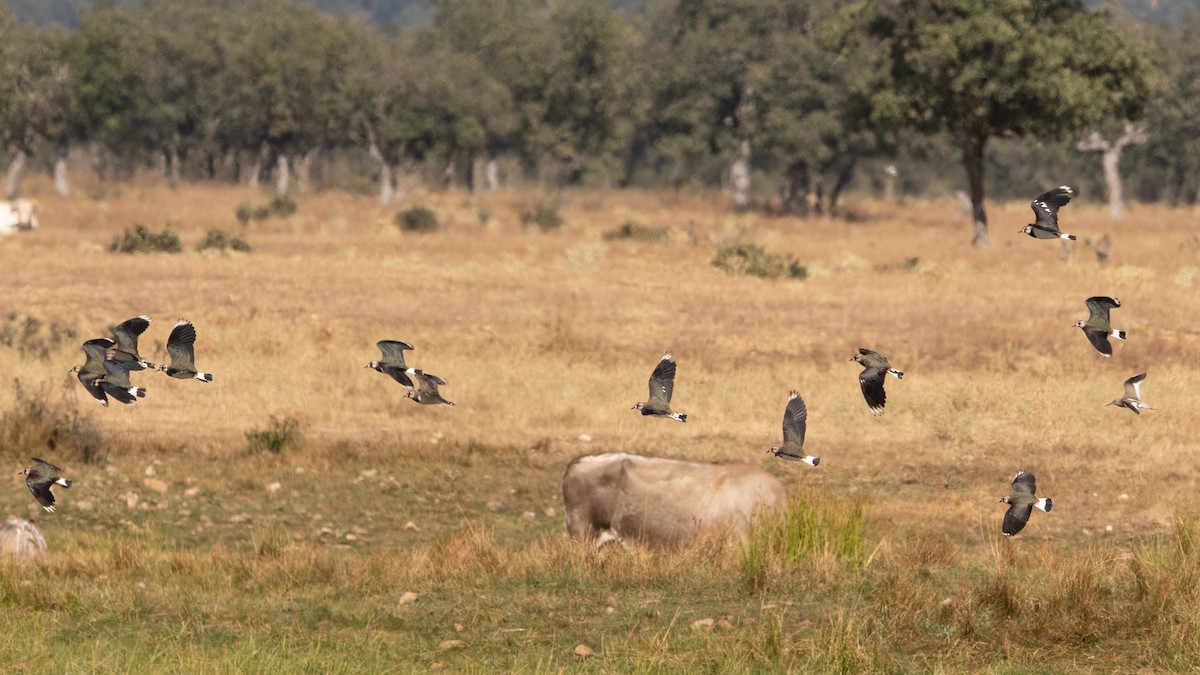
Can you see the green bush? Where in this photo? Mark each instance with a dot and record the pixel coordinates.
(417, 219)
(244, 213)
(545, 216)
(753, 260)
(141, 240)
(261, 213)
(220, 241)
(25, 335)
(283, 206)
(31, 421)
(279, 435)
(638, 231)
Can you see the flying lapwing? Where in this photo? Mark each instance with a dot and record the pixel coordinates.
(662, 385)
(1133, 395)
(93, 368)
(1045, 211)
(392, 361)
(1097, 328)
(875, 369)
(425, 388)
(39, 478)
(1021, 503)
(126, 335)
(795, 417)
(181, 347)
(116, 382)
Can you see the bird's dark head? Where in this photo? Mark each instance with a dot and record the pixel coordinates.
(636, 406)
(1028, 229)
(1078, 324)
(373, 364)
(75, 369)
(1005, 500)
(856, 357)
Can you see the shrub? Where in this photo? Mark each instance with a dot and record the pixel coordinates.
(545, 216)
(141, 240)
(261, 213)
(26, 336)
(638, 231)
(283, 206)
(753, 260)
(221, 241)
(279, 435)
(416, 219)
(244, 213)
(810, 528)
(31, 422)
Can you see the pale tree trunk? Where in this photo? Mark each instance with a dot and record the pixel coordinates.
(16, 171)
(256, 167)
(972, 157)
(739, 177)
(450, 176)
(491, 174)
(175, 164)
(283, 175)
(1110, 159)
(477, 173)
(304, 171)
(387, 183)
(793, 190)
(61, 185)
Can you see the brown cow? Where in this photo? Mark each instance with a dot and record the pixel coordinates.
(663, 502)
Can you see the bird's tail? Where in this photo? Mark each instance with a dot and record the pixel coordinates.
(811, 461)
(1045, 504)
(1119, 334)
(204, 377)
(898, 374)
(1068, 237)
(137, 391)
(682, 417)
(63, 482)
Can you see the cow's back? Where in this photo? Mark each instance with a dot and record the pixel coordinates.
(664, 501)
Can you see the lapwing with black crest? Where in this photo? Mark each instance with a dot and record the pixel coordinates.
(795, 421)
(875, 369)
(93, 368)
(1021, 503)
(182, 350)
(1133, 395)
(1097, 327)
(1045, 211)
(662, 385)
(126, 335)
(39, 478)
(392, 361)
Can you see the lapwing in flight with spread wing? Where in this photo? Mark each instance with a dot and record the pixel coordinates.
(126, 335)
(39, 478)
(1045, 211)
(875, 369)
(116, 382)
(392, 361)
(1133, 395)
(425, 388)
(795, 417)
(662, 385)
(1097, 327)
(181, 348)
(93, 368)
(1021, 503)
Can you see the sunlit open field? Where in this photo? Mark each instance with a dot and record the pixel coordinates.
(185, 549)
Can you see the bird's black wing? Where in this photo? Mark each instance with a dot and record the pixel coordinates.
(393, 351)
(96, 351)
(662, 384)
(795, 421)
(89, 382)
(1015, 518)
(181, 346)
(40, 490)
(127, 332)
(1099, 305)
(1099, 340)
(1045, 207)
(397, 373)
(871, 382)
(1024, 482)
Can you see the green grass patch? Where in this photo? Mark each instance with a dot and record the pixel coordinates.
(753, 260)
(142, 239)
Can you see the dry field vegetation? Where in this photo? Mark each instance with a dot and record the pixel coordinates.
(183, 548)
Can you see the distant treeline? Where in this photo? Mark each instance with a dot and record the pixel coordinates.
(787, 102)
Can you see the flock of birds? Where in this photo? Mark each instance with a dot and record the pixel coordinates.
(109, 362)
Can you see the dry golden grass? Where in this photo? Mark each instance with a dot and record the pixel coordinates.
(547, 336)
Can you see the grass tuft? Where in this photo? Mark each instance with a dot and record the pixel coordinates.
(142, 240)
(217, 239)
(32, 423)
(753, 260)
(544, 216)
(636, 231)
(26, 336)
(812, 528)
(279, 435)
(417, 219)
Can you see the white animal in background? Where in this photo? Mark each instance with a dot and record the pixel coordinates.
(21, 539)
(664, 502)
(18, 214)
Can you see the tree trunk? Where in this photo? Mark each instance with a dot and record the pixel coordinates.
(16, 171)
(283, 175)
(61, 186)
(844, 175)
(491, 174)
(450, 176)
(176, 163)
(739, 177)
(972, 157)
(407, 175)
(477, 169)
(304, 171)
(793, 191)
(1110, 159)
